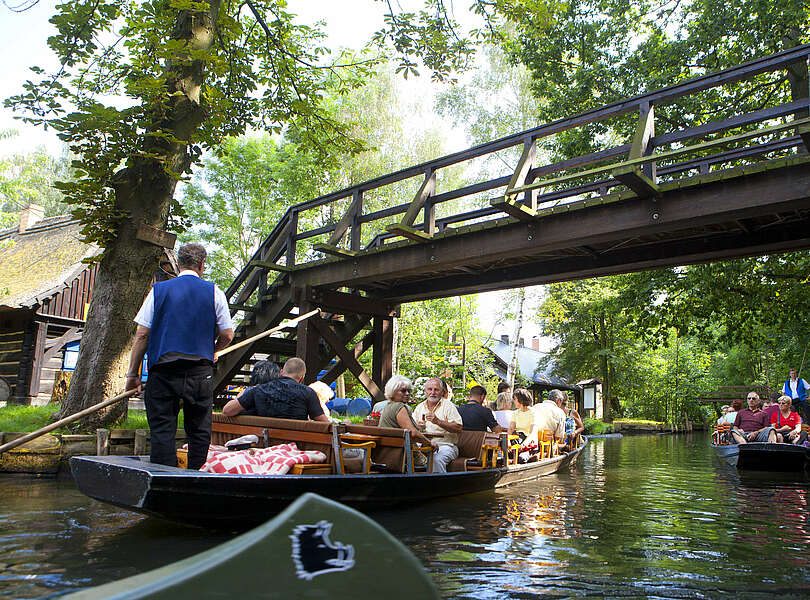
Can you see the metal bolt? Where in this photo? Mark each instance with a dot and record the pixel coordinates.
(530, 238)
(432, 258)
(354, 272)
(655, 216)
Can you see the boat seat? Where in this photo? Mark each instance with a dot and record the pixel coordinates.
(546, 444)
(388, 453)
(470, 448)
(307, 435)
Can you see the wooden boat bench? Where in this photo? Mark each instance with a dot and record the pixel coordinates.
(470, 451)
(392, 447)
(307, 435)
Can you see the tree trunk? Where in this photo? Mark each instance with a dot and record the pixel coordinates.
(510, 372)
(143, 192)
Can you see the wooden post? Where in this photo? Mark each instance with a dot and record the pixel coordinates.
(355, 241)
(37, 359)
(291, 241)
(140, 442)
(381, 368)
(307, 345)
(102, 442)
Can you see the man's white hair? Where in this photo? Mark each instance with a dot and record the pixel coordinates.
(396, 382)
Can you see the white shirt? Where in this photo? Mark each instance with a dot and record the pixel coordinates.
(789, 389)
(446, 411)
(549, 417)
(147, 311)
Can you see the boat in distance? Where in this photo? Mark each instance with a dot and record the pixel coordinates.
(229, 500)
(315, 548)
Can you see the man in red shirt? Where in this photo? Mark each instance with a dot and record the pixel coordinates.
(752, 424)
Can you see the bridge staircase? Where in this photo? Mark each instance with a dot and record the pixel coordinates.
(670, 195)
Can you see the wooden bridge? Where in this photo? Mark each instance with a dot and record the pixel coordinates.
(738, 186)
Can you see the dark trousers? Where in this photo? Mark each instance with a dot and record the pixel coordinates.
(800, 406)
(191, 383)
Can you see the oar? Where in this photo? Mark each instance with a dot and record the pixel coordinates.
(69, 419)
(263, 334)
(799, 374)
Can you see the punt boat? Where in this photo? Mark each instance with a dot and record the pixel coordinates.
(316, 548)
(232, 501)
(228, 500)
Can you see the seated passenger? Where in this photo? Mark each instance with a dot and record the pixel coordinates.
(550, 417)
(751, 424)
(325, 394)
(439, 416)
(787, 424)
(397, 413)
(475, 416)
(770, 405)
(573, 422)
(262, 372)
(504, 406)
(284, 397)
(522, 421)
(730, 415)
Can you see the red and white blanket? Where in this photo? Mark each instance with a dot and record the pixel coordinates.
(276, 460)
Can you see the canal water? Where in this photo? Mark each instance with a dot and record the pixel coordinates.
(637, 517)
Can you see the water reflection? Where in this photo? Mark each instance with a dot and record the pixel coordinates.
(645, 517)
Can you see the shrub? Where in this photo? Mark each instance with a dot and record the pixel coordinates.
(596, 427)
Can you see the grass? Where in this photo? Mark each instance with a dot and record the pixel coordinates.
(30, 418)
(26, 418)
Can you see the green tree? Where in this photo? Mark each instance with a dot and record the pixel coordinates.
(142, 89)
(30, 177)
(588, 53)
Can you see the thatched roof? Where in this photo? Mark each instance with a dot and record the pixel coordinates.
(38, 262)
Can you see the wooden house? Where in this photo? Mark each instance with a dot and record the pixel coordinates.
(45, 292)
(540, 379)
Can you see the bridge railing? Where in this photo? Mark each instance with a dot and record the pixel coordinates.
(336, 224)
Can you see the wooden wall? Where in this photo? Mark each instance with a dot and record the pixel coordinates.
(71, 301)
(15, 342)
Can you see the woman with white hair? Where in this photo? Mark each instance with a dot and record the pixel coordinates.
(398, 414)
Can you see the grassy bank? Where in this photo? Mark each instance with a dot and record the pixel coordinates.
(30, 418)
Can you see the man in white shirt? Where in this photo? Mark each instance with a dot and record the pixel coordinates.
(438, 415)
(550, 417)
(796, 389)
(182, 324)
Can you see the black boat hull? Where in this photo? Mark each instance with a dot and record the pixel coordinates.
(766, 456)
(232, 500)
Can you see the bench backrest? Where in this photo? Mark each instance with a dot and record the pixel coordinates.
(307, 435)
(470, 444)
(392, 449)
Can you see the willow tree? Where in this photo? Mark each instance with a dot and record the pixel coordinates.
(144, 87)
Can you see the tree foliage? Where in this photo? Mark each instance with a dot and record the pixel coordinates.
(142, 89)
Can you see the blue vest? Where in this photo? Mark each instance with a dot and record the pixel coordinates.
(185, 319)
(801, 392)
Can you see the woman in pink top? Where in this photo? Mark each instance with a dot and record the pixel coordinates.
(787, 424)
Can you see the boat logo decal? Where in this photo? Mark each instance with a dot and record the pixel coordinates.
(315, 554)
